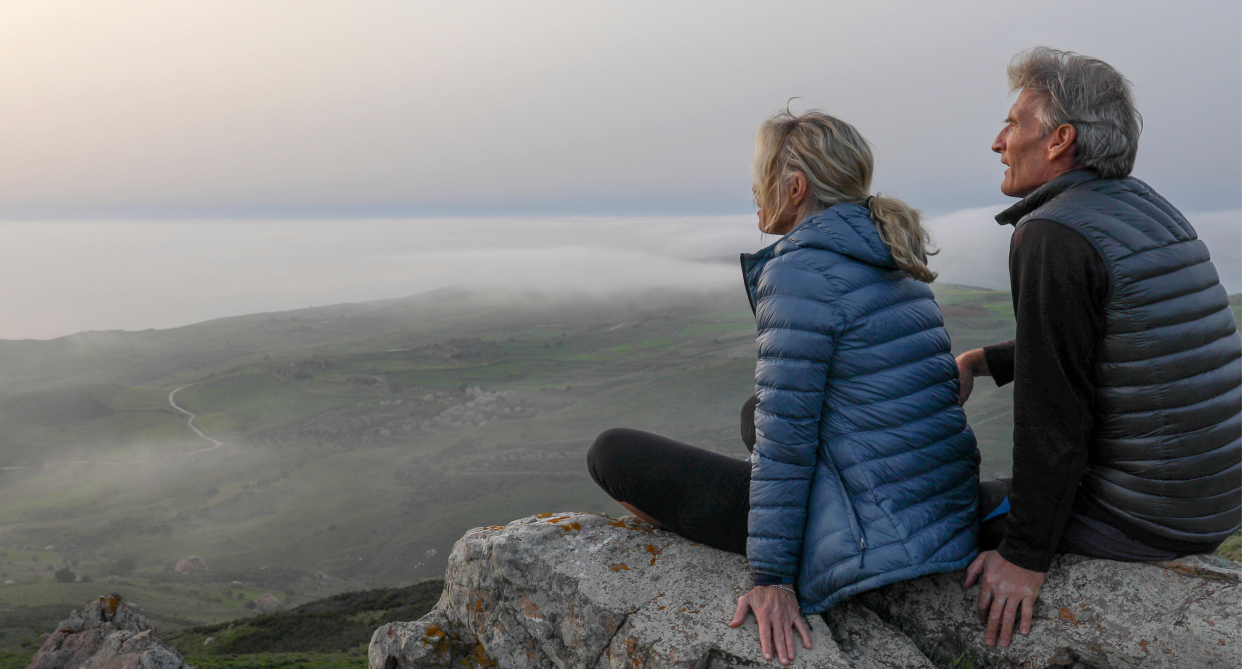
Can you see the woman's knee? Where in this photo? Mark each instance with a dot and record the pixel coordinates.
(605, 455)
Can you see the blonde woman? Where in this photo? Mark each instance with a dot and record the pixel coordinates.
(863, 470)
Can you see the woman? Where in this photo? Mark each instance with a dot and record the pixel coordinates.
(863, 471)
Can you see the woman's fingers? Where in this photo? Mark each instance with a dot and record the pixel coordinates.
(805, 631)
(765, 633)
(739, 616)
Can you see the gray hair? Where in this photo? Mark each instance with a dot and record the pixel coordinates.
(1088, 94)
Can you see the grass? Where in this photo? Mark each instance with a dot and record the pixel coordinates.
(334, 461)
(330, 633)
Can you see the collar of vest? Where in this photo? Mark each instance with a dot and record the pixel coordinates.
(1043, 194)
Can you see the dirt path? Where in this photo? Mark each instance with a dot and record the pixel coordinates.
(189, 422)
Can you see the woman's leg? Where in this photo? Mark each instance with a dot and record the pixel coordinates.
(701, 495)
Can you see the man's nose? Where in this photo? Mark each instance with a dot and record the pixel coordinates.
(998, 144)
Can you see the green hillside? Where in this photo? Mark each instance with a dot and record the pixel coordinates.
(358, 441)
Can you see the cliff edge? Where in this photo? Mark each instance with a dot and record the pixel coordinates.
(584, 590)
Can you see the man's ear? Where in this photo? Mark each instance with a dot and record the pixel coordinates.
(1061, 143)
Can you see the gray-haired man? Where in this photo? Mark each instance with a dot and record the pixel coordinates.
(1127, 366)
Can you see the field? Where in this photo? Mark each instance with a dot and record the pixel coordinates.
(356, 442)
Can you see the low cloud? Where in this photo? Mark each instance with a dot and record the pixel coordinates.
(61, 278)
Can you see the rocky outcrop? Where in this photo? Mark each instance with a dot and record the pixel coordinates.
(191, 564)
(1091, 613)
(267, 603)
(583, 590)
(105, 635)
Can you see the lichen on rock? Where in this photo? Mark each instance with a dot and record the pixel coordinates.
(585, 590)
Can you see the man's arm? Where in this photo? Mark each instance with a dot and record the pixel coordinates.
(1060, 287)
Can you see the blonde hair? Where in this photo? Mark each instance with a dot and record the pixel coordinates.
(837, 164)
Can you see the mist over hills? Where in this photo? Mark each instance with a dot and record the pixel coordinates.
(357, 442)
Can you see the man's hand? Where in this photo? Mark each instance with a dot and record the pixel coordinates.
(776, 611)
(969, 365)
(1003, 589)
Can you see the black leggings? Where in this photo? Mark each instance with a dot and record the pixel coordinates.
(701, 495)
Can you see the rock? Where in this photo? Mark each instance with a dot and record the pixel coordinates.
(267, 603)
(1098, 613)
(575, 590)
(582, 590)
(113, 579)
(190, 564)
(209, 640)
(237, 584)
(105, 635)
(129, 650)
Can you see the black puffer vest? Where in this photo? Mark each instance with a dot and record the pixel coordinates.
(1166, 451)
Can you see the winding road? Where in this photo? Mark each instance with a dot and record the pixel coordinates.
(189, 422)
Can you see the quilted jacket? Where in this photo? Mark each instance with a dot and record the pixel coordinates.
(864, 470)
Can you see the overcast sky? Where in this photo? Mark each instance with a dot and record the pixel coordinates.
(564, 115)
(432, 108)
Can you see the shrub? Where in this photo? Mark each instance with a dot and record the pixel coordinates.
(65, 575)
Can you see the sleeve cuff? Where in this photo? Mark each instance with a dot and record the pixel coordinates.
(772, 579)
(1027, 559)
(1000, 362)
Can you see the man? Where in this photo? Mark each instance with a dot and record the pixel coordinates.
(1127, 366)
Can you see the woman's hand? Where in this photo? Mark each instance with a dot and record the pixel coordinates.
(776, 611)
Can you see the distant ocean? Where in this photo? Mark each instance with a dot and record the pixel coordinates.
(57, 278)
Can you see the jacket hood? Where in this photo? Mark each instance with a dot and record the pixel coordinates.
(844, 229)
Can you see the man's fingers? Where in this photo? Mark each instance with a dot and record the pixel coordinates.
(973, 571)
(994, 620)
(1007, 620)
(1028, 610)
(985, 603)
(739, 616)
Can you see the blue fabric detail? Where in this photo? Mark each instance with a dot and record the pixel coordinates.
(998, 511)
(864, 471)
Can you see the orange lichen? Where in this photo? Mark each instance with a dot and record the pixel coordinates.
(1066, 614)
(1143, 643)
(619, 566)
(655, 552)
(544, 515)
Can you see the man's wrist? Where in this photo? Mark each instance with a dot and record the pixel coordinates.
(976, 362)
(1037, 561)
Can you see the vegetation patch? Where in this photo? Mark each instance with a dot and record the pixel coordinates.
(330, 632)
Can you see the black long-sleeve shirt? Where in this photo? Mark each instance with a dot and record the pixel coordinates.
(1060, 288)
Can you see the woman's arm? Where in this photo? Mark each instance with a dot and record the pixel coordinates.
(797, 339)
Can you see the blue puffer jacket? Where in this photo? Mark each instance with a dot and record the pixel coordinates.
(864, 471)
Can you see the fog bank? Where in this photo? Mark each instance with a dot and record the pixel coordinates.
(57, 278)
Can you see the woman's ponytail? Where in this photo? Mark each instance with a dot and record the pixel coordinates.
(837, 164)
(901, 228)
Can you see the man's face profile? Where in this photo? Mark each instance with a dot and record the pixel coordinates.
(1022, 146)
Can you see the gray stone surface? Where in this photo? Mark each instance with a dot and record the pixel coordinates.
(1101, 614)
(105, 635)
(583, 590)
